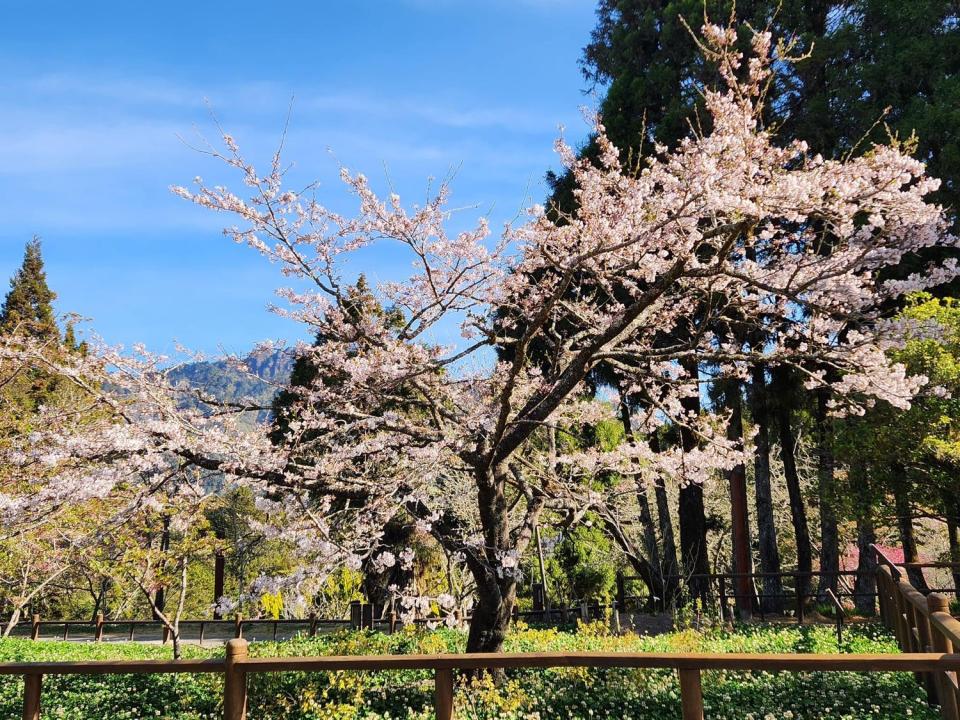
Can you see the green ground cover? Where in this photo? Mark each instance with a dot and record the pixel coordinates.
(530, 694)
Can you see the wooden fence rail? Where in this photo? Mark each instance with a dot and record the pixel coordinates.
(237, 665)
(921, 623)
(362, 616)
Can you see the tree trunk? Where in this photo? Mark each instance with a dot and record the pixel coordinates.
(219, 568)
(693, 517)
(12, 622)
(829, 530)
(637, 561)
(772, 596)
(865, 586)
(491, 618)
(908, 539)
(652, 565)
(496, 580)
(160, 600)
(739, 513)
(671, 567)
(788, 454)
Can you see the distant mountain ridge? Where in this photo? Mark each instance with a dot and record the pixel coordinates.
(261, 376)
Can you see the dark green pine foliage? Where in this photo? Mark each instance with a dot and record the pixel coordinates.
(873, 66)
(289, 404)
(360, 303)
(28, 306)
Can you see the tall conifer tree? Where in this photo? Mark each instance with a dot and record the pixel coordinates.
(28, 306)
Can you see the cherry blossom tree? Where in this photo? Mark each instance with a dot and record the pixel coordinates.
(662, 268)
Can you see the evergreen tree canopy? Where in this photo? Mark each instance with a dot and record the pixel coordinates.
(873, 66)
(28, 307)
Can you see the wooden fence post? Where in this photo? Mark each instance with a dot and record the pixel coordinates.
(35, 628)
(443, 698)
(98, 633)
(943, 681)
(235, 681)
(926, 645)
(901, 620)
(238, 626)
(691, 694)
(881, 595)
(32, 685)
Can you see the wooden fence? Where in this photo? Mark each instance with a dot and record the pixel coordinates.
(362, 616)
(236, 666)
(921, 623)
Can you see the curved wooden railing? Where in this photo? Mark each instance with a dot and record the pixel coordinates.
(921, 623)
(237, 665)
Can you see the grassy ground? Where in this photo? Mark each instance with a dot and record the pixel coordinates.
(532, 694)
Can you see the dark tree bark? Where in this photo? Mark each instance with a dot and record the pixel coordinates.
(908, 539)
(160, 600)
(693, 518)
(650, 575)
(219, 571)
(782, 386)
(739, 513)
(772, 596)
(671, 566)
(650, 565)
(496, 584)
(826, 485)
(865, 584)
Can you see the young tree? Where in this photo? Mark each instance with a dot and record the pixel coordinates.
(462, 446)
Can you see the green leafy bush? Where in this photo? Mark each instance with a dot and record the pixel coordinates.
(525, 694)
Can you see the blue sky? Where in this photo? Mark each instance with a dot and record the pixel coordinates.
(93, 97)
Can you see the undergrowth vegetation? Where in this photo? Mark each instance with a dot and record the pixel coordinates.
(527, 694)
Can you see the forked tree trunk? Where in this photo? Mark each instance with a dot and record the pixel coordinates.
(772, 596)
(788, 455)
(650, 567)
(671, 567)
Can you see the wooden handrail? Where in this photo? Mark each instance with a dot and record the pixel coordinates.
(676, 661)
(113, 667)
(882, 559)
(921, 623)
(237, 665)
